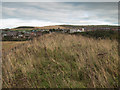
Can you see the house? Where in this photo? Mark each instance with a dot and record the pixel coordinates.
(27, 35)
(39, 33)
(11, 33)
(20, 35)
(79, 30)
(4, 34)
(76, 30)
(73, 30)
(65, 30)
(83, 30)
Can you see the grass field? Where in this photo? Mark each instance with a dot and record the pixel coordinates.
(62, 61)
(8, 45)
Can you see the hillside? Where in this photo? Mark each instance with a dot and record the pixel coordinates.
(44, 27)
(24, 27)
(52, 27)
(60, 26)
(72, 26)
(62, 61)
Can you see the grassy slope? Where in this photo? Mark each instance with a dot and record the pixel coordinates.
(58, 60)
(61, 27)
(8, 45)
(44, 27)
(52, 27)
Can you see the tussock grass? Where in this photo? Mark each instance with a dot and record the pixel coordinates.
(62, 61)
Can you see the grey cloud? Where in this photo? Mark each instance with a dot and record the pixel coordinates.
(72, 13)
(61, 1)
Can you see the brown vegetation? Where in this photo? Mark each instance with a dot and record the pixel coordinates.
(60, 61)
(9, 45)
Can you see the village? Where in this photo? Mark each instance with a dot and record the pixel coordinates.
(14, 35)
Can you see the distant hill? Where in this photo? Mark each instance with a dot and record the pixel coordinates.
(52, 27)
(78, 26)
(72, 26)
(24, 27)
(59, 27)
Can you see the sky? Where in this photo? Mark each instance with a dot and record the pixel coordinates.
(16, 14)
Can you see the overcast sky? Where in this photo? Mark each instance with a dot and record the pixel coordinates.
(54, 13)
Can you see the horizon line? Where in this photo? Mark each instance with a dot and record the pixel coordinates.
(63, 24)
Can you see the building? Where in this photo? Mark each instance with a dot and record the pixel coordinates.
(39, 33)
(77, 30)
(11, 33)
(83, 30)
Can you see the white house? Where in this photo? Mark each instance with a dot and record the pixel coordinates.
(83, 29)
(73, 30)
(78, 30)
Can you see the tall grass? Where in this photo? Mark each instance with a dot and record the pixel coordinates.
(62, 61)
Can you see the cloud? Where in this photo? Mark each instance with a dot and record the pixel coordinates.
(18, 22)
(61, 1)
(59, 13)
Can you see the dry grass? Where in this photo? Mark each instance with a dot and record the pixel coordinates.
(60, 61)
(8, 45)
